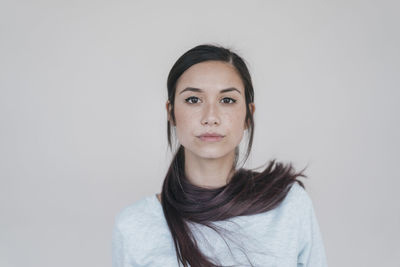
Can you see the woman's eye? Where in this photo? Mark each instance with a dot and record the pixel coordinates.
(227, 99)
(194, 100)
(191, 99)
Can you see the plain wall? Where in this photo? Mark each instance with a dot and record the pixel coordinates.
(83, 120)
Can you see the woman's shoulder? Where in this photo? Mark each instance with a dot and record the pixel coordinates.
(135, 229)
(138, 213)
(298, 194)
(297, 199)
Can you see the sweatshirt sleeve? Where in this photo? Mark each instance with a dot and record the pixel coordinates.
(119, 253)
(312, 251)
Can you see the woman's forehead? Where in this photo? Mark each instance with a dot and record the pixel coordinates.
(210, 75)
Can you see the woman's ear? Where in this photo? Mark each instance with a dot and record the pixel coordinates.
(252, 108)
(168, 108)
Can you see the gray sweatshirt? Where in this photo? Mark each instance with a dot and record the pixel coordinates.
(287, 236)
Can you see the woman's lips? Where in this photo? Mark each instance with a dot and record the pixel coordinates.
(211, 138)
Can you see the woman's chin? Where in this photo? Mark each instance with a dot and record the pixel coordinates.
(212, 154)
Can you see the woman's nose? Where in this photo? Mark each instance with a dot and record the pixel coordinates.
(210, 115)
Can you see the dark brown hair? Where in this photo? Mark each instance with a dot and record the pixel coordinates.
(248, 192)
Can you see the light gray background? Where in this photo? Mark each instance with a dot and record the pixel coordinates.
(83, 123)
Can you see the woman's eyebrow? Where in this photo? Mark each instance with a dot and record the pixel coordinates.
(200, 90)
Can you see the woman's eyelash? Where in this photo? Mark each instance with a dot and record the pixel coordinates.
(189, 98)
(233, 100)
(193, 97)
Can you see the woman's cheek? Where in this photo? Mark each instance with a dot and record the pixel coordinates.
(184, 127)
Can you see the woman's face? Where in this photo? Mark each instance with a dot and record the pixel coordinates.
(210, 98)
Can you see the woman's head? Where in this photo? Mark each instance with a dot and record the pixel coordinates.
(210, 91)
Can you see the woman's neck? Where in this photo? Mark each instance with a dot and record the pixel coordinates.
(207, 172)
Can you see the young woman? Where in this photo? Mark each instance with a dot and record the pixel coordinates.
(211, 212)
